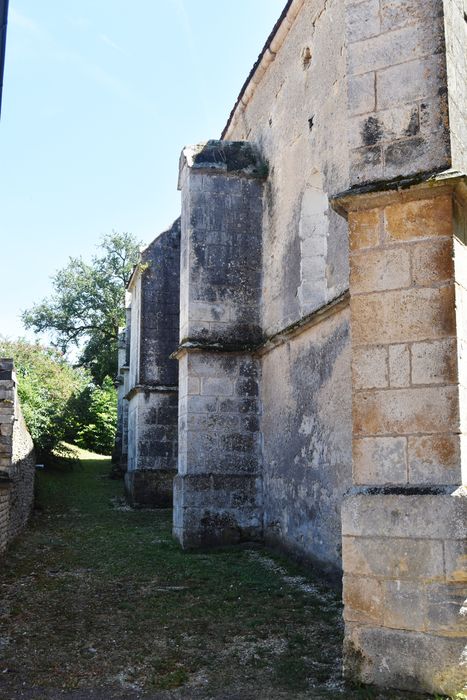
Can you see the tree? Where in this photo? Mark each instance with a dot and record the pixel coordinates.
(46, 383)
(88, 305)
(61, 402)
(93, 417)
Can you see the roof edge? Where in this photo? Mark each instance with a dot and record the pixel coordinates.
(265, 58)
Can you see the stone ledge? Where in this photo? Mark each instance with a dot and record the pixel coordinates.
(189, 345)
(150, 389)
(403, 490)
(381, 193)
(308, 321)
(270, 342)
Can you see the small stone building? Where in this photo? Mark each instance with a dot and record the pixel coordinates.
(17, 460)
(322, 329)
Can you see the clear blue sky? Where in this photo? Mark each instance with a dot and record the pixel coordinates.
(99, 98)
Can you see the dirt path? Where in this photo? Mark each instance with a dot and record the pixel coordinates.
(98, 602)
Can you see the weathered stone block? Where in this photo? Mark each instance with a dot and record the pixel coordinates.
(459, 254)
(384, 126)
(434, 459)
(373, 271)
(424, 218)
(392, 48)
(408, 82)
(362, 93)
(405, 516)
(362, 20)
(432, 262)
(363, 599)
(404, 605)
(403, 316)
(380, 460)
(403, 659)
(455, 557)
(399, 365)
(366, 164)
(415, 155)
(434, 362)
(392, 557)
(446, 608)
(364, 228)
(398, 13)
(370, 367)
(217, 386)
(404, 411)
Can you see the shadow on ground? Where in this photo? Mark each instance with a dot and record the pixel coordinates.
(98, 602)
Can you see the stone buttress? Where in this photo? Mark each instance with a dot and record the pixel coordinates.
(405, 522)
(152, 376)
(217, 492)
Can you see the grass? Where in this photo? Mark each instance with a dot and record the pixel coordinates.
(94, 595)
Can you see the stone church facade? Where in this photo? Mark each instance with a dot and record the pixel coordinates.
(294, 365)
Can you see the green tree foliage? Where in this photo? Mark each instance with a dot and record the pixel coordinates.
(87, 306)
(61, 402)
(93, 417)
(46, 382)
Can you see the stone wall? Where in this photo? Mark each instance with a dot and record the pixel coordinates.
(306, 438)
(152, 381)
(288, 116)
(17, 460)
(455, 19)
(397, 87)
(305, 388)
(308, 394)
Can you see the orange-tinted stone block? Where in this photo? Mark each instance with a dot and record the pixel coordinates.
(423, 218)
(364, 228)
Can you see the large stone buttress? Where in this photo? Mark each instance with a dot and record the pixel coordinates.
(217, 495)
(404, 523)
(152, 376)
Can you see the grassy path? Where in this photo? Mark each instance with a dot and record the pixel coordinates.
(98, 601)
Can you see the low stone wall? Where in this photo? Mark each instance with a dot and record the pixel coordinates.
(17, 460)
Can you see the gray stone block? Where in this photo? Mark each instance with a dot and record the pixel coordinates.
(406, 660)
(150, 488)
(406, 516)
